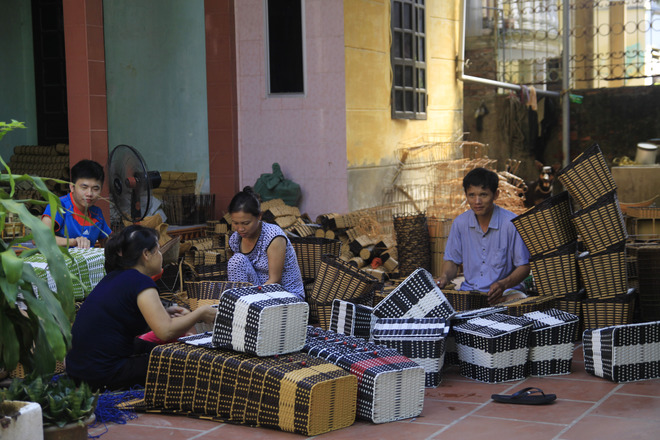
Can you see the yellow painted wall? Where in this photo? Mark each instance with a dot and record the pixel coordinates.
(372, 134)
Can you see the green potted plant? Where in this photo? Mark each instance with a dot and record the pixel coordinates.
(35, 322)
(65, 407)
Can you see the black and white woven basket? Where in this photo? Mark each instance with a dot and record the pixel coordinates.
(420, 339)
(390, 386)
(352, 319)
(261, 320)
(418, 296)
(551, 342)
(451, 353)
(623, 353)
(494, 348)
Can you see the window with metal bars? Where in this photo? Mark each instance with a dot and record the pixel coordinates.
(408, 58)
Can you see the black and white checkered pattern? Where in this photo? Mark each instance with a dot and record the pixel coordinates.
(551, 342)
(623, 353)
(417, 296)
(351, 319)
(390, 386)
(261, 320)
(494, 348)
(451, 353)
(420, 339)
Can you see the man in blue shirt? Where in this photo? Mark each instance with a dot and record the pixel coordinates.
(485, 242)
(82, 223)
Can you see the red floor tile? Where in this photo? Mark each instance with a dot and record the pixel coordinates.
(485, 428)
(567, 387)
(631, 407)
(612, 428)
(562, 411)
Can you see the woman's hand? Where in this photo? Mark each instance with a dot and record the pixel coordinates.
(208, 314)
(175, 311)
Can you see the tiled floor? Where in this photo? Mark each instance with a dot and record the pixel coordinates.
(587, 407)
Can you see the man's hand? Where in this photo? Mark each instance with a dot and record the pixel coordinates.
(442, 281)
(495, 293)
(82, 243)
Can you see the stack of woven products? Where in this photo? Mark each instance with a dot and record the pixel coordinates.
(86, 265)
(553, 233)
(599, 222)
(623, 353)
(390, 386)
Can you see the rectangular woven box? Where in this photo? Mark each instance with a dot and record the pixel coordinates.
(261, 320)
(352, 319)
(417, 296)
(623, 353)
(298, 393)
(551, 342)
(390, 386)
(451, 353)
(420, 339)
(494, 348)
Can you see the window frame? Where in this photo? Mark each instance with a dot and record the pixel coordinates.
(409, 73)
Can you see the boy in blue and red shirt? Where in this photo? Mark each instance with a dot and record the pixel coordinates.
(82, 224)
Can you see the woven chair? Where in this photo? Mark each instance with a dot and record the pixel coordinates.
(547, 225)
(555, 272)
(604, 273)
(309, 251)
(337, 279)
(587, 177)
(606, 312)
(601, 225)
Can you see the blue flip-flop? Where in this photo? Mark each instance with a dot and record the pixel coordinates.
(526, 396)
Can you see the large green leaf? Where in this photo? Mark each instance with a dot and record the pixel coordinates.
(12, 265)
(9, 343)
(44, 241)
(44, 358)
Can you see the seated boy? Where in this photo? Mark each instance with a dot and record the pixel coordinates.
(82, 222)
(485, 242)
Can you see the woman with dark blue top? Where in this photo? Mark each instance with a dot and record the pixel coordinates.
(106, 352)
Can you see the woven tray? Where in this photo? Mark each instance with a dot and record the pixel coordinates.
(551, 342)
(624, 353)
(604, 273)
(309, 251)
(422, 340)
(351, 319)
(297, 393)
(555, 273)
(587, 177)
(519, 307)
(464, 300)
(494, 348)
(547, 225)
(417, 296)
(598, 313)
(601, 225)
(261, 320)
(390, 386)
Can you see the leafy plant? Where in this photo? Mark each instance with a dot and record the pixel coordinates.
(61, 400)
(35, 326)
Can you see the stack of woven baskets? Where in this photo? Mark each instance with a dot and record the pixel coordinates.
(555, 235)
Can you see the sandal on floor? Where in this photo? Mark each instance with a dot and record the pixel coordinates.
(526, 396)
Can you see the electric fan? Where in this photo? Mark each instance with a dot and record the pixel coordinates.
(130, 182)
